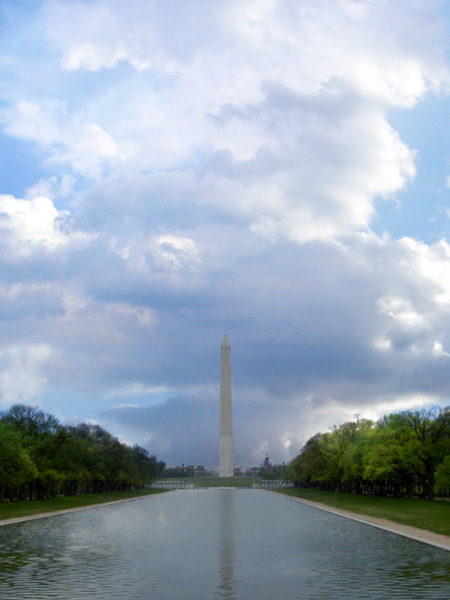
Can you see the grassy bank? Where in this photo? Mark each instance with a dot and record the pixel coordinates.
(27, 508)
(424, 514)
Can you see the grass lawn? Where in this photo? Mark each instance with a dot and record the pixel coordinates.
(424, 514)
(26, 508)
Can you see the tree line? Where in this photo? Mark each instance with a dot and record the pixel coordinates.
(40, 458)
(402, 454)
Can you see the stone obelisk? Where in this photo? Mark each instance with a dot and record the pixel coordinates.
(226, 462)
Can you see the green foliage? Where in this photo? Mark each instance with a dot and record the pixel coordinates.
(31, 422)
(402, 454)
(39, 458)
(443, 476)
(16, 465)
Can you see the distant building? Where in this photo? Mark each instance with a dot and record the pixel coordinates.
(266, 464)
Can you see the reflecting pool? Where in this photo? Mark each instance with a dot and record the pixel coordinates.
(218, 543)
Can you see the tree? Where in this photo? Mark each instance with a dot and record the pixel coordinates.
(31, 421)
(443, 476)
(309, 466)
(389, 468)
(426, 433)
(402, 451)
(41, 458)
(352, 458)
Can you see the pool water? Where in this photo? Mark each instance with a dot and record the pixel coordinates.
(218, 543)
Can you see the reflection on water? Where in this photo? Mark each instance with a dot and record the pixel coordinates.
(227, 583)
(204, 544)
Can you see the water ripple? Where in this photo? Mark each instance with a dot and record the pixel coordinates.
(227, 544)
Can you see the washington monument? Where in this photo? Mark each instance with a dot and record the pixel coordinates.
(226, 460)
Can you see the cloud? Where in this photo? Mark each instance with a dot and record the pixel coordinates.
(145, 319)
(297, 151)
(31, 223)
(36, 236)
(86, 147)
(305, 355)
(22, 374)
(217, 167)
(92, 37)
(330, 155)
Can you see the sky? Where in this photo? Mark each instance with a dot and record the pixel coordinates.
(276, 170)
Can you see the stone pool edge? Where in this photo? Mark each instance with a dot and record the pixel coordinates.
(413, 533)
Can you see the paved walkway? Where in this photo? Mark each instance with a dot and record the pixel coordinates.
(414, 533)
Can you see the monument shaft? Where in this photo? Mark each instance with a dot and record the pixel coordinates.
(226, 459)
